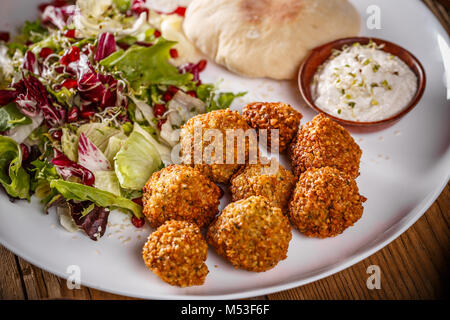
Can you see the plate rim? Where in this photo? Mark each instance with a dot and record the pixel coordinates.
(420, 209)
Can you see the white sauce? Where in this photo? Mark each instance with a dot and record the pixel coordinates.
(363, 83)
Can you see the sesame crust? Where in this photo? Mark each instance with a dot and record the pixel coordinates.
(325, 203)
(176, 252)
(181, 193)
(321, 143)
(221, 120)
(274, 115)
(253, 181)
(251, 234)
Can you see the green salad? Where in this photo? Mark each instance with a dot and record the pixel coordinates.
(92, 98)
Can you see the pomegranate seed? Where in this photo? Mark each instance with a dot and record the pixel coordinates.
(72, 55)
(45, 52)
(157, 33)
(192, 94)
(25, 152)
(87, 114)
(138, 201)
(70, 83)
(167, 96)
(57, 135)
(138, 223)
(173, 53)
(160, 123)
(201, 65)
(70, 33)
(172, 89)
(73, 115)
(181, 11)
(159, 110)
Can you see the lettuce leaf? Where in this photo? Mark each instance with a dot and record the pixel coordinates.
(42, 173)
(107, 181)
(11, 117)
(13, 177)
(32, 31)
(122, 5)
(104, 199)
(98, 133)
(145, 66)
(216, 101)
(137, 160)
(69, 144)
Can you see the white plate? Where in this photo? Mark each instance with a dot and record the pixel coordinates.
(404, 168)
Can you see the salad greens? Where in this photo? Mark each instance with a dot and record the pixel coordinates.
(145, 66)
(80, 192)
(11, 117)
(137, 159)
(13, 177)
(92, 99)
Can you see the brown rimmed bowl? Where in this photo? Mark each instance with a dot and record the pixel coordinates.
(320, 54)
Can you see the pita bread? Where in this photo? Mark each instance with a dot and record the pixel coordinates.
(267, 38)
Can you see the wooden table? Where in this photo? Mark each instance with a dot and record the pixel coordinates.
(414, 266)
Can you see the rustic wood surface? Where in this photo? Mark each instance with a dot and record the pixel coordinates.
(414, 266)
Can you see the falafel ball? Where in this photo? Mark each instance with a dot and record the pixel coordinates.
(324, 143)
(251, 234)
(176, 252)
(274, 183)
(274, 115)
(180, 193)
(325, 203)
(216, 167)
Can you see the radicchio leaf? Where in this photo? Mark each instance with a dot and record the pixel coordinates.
(67, 168)
(30, 63)
(139, 7)
(106, 46)
(90, 157)
(93, 223)
(56, 3)
(7, 96)
(59, 16)
(33, 98)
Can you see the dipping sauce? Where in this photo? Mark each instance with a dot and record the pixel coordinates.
(363, 83)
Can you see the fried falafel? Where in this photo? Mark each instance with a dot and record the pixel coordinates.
(273, 115)
(213, 163)
(274, 183)
(251, 234)
(181, 193)
(324, 143)
(176, 252)
(325, 202)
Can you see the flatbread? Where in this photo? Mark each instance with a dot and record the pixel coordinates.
(267, 38)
